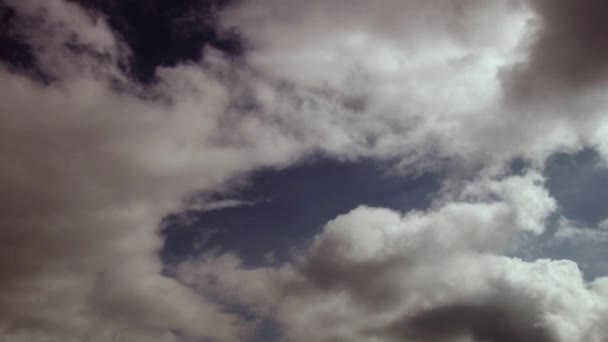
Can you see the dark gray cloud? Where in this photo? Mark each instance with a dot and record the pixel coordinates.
(568, 48)
(483, 322)
(505, 315)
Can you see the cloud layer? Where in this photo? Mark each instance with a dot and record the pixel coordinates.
(92, 160)
(374, 274)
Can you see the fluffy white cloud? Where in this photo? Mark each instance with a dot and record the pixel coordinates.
(568, 230)
(436, 295)
(424, 81)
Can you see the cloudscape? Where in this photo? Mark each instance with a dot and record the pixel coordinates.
(290, 171)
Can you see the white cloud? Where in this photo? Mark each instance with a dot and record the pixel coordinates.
(569, 230)
(376, 275)
(420, 81)
(441, 297)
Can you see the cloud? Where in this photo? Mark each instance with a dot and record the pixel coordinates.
(567, 48)
(220, 204)
(453, 297)
(425, 82)
(569, 230)
(394, 79)
(502, 322)
(92, 161)
(375, 274)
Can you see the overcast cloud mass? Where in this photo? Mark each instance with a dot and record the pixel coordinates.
(92, 160)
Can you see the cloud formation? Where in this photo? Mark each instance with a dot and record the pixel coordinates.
(567, 48)
(429, 81)
(376, 275)
(92, 160)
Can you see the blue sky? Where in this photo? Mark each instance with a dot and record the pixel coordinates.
(285, 208)
(577, 183)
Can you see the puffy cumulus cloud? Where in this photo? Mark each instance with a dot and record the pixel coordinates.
(427, 81)
(526, 194)
(377, 275)
(487, 218)
(509, 300)
(91, 162)
(392, 78)
(453, 297)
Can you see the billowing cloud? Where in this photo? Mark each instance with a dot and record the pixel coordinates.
(376, 275)
(92, 160)
(393, 79)
(426, 81)
(568, 48)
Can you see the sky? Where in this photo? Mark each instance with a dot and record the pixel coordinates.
(290, 171)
